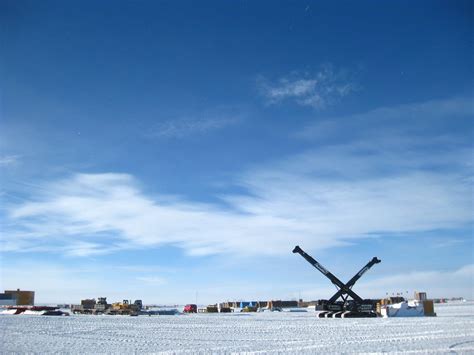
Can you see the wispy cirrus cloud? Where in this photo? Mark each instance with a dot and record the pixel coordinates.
(189, 125)
(325, 197)
(319, 199)
(152, 280)
(318, 90)
(8, 160)
(389, 124)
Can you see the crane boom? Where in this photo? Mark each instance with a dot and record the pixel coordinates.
(357, 307)
(355, 278)
(343, 289)
(318, 266)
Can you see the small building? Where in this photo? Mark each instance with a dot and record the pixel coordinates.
(22, 298)
(7, 300)
(282, 304)
(305, 304)
(420, 296)
(244, 304)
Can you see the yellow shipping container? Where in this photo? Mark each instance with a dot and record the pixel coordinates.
(428, 308)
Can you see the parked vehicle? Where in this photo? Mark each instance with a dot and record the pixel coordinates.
(190, 308)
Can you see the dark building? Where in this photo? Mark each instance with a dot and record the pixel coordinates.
(23, 298)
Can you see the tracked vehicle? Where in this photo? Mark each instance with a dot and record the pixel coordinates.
(345, 303)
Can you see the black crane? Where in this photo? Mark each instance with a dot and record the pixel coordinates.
(357, 307)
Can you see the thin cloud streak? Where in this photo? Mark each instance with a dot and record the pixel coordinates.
(319, 90)
(323, 198)
(8, 160)
(286, 205)
(185, 127)
(393, 123)
(152, 280)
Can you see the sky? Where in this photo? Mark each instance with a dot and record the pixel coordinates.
(176, 152)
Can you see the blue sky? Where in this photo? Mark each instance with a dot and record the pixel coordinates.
(156, 150)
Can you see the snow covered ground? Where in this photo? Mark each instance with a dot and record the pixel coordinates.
(451, 332)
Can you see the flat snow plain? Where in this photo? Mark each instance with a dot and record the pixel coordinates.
(451, 332)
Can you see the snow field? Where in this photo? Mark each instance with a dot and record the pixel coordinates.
(451, 332)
